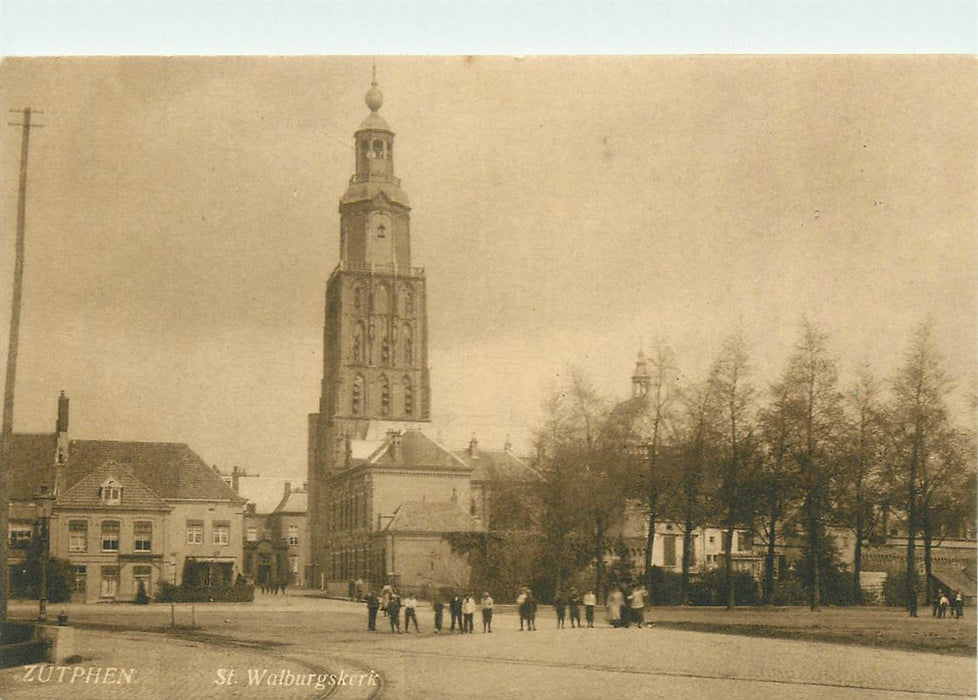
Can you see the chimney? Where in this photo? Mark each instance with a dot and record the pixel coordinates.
(235, 478)
(473, 444)
(62, 413)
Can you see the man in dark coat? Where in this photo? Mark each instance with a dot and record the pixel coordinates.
(394, 612)
(439, 608)
(455, 607)
(560, 605)
(373, 605)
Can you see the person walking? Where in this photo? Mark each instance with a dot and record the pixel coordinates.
(521, 606)
(574, 603)
(410, 613)
(590, 600)
(531, 612)
(455, 608)
(468, 612)
(637, 602)
(486, 604)
(394, 612)
(560, 605)
(439, 608)
(373, 605)
(614, 603)
(959, 605)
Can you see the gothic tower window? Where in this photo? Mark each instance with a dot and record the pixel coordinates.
(408, 302)
(378, 148)
(358, 397)
(408, 342)
(385, 396)
(358, 344)
(385, 351)
(408, 396)
(381, 299)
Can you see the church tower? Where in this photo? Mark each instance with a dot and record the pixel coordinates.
(375, 341)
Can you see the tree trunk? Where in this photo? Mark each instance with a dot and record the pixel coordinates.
(857, 562)
(928, 540)
(770, 558)
(814, 550)
(911, 537)
(649, 542)
(599, 574)
(687, 555)
(728, 565)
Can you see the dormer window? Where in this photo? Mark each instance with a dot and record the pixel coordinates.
(110, 493)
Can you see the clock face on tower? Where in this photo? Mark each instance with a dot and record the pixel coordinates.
(379, 224)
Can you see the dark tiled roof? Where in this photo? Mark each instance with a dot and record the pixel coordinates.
(31, 464)
(168, 469)
(86, 492)
(490, 465)
(421, 516)
(416, 451)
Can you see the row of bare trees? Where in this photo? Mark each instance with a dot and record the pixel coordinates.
(795, 458)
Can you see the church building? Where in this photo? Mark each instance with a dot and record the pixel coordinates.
(384, 497)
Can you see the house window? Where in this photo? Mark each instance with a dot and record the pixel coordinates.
(251, 534)
(110, 582)
(110, 493)
(744, 542)
(110, 536)
(669, 550)
(79, 583)
(293, 534)
(78, 536)
(195, 532)
(20, 536)
(143, 536)
(222, 532)
(142, 574)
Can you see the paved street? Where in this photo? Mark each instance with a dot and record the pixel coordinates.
(299, 636)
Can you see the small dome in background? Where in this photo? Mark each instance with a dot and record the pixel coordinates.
(374, 98)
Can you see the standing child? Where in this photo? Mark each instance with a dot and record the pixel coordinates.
(560, 605)
(410, 615)
(486, 612)
(439, 607)
(394, 612)
(468, 612)
(575, 609)
(590, 600)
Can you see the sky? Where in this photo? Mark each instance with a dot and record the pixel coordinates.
(182, 222)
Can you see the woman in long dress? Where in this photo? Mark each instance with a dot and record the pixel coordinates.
(615, 602)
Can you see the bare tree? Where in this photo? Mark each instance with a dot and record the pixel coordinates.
(919, 415)
(730, 385)
(811, 381)
(860, 483)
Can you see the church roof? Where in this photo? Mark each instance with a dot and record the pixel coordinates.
(412, 449)
(422, 516)
(490, 465)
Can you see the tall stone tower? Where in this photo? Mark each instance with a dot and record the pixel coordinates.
(375, 341)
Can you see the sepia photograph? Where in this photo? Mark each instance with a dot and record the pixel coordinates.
(489, 376)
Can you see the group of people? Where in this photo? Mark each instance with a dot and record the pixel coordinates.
(627, 607)
(274, 587)
(942, 602)
(461, 609)
(623, 610)
(573, 602)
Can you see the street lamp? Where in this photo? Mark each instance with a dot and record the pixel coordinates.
(44, 502)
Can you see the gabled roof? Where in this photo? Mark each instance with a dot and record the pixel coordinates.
(169, 469)
(86, 492)
(295, 502)
(31, 464)
(412, 449)
(491, 465)
(421, 516)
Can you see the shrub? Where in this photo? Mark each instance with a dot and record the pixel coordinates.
(141, 597)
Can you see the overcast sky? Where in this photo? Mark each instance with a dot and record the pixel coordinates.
(182, 223)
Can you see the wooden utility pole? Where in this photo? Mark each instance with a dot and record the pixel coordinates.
(8, 394)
